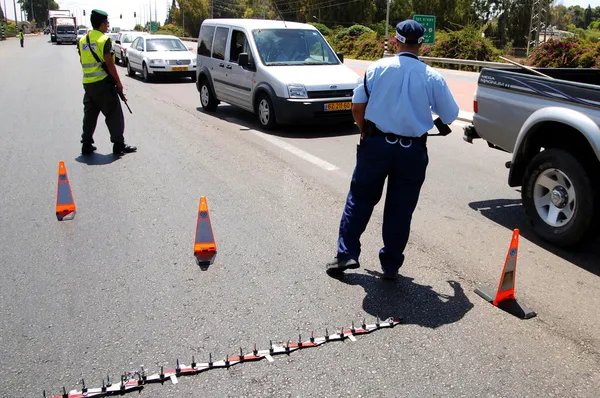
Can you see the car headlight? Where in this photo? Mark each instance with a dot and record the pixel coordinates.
(157, 61)
(297, 91)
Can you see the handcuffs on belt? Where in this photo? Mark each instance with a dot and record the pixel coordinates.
(371, 129)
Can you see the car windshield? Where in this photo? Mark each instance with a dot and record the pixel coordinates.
(165, 45)
(293, 47)
(65, 29)
(128, 38)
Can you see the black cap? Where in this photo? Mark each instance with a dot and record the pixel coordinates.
(410, 32)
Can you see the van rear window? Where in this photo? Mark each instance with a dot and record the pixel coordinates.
(206, 38)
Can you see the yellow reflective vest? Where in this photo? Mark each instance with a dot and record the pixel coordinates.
(92, 69)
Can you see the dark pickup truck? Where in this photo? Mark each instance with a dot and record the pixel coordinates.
(550, 125)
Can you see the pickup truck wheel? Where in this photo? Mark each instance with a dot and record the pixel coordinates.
(558, 198)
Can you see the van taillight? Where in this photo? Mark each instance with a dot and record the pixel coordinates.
(475, 107)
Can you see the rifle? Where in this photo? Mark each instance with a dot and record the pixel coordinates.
(119, 92)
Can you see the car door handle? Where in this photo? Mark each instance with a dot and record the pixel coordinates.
(228, 66)
(221, 64)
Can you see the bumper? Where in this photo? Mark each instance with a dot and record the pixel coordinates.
(306, 110)
(162, 70)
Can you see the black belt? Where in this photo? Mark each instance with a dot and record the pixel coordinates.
(375, 131)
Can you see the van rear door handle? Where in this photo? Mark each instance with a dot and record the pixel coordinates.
(228, 66)
(221, 64)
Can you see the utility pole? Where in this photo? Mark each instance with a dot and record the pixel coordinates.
(387, 24)
(183, 21)
(150, 15)
(155, 15)
(16, 16)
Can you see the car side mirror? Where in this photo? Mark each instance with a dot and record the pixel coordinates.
(190, 48)
(340, 56)
(243, 60)
(118, 41)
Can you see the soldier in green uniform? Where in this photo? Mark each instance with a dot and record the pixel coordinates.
(102, 85)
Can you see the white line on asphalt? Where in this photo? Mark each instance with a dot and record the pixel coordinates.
(296, 151)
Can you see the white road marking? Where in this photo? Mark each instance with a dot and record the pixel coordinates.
(296, 151)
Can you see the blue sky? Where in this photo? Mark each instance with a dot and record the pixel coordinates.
(112, 7)
(582, 3)
(127, 7)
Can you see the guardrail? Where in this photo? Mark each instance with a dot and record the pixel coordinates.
(461, 62)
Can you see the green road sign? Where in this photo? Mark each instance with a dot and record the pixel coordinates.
(428, 22)
(154, 26)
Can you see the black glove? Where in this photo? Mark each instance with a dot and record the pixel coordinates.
(444, 129)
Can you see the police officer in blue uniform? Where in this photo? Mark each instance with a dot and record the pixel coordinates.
(393, 110)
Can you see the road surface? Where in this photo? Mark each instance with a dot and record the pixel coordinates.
(117, 286)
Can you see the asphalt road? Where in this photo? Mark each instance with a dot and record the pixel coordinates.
(117, 286)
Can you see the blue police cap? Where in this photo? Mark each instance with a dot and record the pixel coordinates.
(410, 32)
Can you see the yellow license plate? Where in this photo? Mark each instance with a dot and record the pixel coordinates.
(338, 106)
(179, 68)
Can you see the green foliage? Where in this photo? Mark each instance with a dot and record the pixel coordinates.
(325, 31)
(566, 54)
(10, 30)
(170, 29)
(138, 28)
(357, 30)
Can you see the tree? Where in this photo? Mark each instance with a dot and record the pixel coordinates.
(195, 11)
(40, 9)
(587, 19)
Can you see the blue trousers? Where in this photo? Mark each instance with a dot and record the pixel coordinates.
(404, 167)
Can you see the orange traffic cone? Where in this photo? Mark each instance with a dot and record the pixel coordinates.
(205, 248)
(505, 295)
(64, 196)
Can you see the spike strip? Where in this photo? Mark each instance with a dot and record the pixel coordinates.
(134, 381)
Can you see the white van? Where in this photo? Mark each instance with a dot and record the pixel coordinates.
(284, 72)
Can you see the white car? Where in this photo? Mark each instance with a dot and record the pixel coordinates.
(122, 44)
(81, 32)
(160, 55)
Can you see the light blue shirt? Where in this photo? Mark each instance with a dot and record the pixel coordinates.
(404, 91)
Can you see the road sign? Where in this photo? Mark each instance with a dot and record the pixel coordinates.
(428, 22)
(154, 26)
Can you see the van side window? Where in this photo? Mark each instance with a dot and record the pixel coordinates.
(220, 43)
(206, 38)
(239, 44)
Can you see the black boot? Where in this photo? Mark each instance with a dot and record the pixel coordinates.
(87, 149)
(121, 149)
(338, 266)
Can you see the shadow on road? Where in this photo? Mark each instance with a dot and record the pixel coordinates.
(308, 130)
(97, 159)
(509, 213)
(416, 304)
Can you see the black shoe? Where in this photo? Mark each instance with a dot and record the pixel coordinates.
(87, 149)
(388, 276)
(121, 149)
(338, 266)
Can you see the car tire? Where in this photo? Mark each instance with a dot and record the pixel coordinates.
(265, 112)
(130, 71)
(207, 98)
(145, 73)
(559, 200)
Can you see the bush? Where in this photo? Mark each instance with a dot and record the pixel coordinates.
(566, 53)
(465, 44)
(170, 30)
(10, 30)
(325, 31)
(357, 30)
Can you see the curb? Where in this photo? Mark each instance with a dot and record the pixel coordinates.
(465, 116)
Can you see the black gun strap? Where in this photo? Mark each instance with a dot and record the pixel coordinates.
(87, 37)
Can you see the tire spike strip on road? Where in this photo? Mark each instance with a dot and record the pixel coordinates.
(134, 381)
